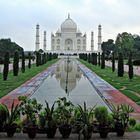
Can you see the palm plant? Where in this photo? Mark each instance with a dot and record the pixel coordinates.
(121, 117)
(84, 120)
(12, 115)
(51, 122)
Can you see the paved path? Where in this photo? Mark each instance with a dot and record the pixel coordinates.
(95, 136)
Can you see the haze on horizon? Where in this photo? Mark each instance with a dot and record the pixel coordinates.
(19, 18)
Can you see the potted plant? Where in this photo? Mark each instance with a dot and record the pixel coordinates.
(51, 124)
(42, 122)
(63, 114)
(101, 115)
(3, 116)
(84, 121)
(121, 117)
(12, 115)
(30, 108)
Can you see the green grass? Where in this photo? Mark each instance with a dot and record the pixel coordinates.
(123, 84)
(15, 81)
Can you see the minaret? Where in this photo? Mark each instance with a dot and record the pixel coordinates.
(44, 44)
(99, 39)
(92, 41)
(37, 38)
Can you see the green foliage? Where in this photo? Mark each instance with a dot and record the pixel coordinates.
(16, 64)
(6, 45)
(120, 65)
(121, 114)
(30, 108)
(64, 111)
(125, 43)
(137, 127)
(101, 114)
(132, 122)
(23, 63)
(108, 47)
(3, 114)
(6, 66)
(13, 114)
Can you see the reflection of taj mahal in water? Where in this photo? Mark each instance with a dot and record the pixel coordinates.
(74, 74)
(69, 39)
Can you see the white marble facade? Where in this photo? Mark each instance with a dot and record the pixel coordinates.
(68, 39)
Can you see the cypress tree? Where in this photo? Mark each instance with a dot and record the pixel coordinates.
(16, 64)
(99, 59)
(113, 62)
(37, 59)
(29, 62)
(130, 64)
(103, 61)
(6, 66)
(89, 58)
(23, 62)
(95, 58)
(120, 65)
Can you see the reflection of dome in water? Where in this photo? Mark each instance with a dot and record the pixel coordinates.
(68, 66)
(71, 85)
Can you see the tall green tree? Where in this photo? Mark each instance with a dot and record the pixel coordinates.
(6, 66)
(29, 62)
(108, 47)
(23, 62)
(113, 61)
(130, 65)
(103, 61)
(125, 43)
(16, 64)
(120, 65)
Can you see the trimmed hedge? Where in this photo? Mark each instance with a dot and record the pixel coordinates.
(136, 62)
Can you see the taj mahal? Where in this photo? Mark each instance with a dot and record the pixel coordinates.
(68, 39)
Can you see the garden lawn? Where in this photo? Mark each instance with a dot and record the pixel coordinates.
(15, 81)
(130, 88)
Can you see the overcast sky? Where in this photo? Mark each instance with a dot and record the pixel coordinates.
(18, 18)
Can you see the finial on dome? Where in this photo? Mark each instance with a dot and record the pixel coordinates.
(68, 15)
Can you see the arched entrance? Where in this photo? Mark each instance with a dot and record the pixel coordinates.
(68, 45)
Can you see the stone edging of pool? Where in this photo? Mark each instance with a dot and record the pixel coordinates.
(108, 93)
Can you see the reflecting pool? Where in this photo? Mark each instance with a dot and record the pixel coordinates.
(68, 81)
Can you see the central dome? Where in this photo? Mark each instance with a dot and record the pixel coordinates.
(68, 25)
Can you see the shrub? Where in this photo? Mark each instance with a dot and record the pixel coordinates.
(101, 114)
(137, 127)
(132, 122)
